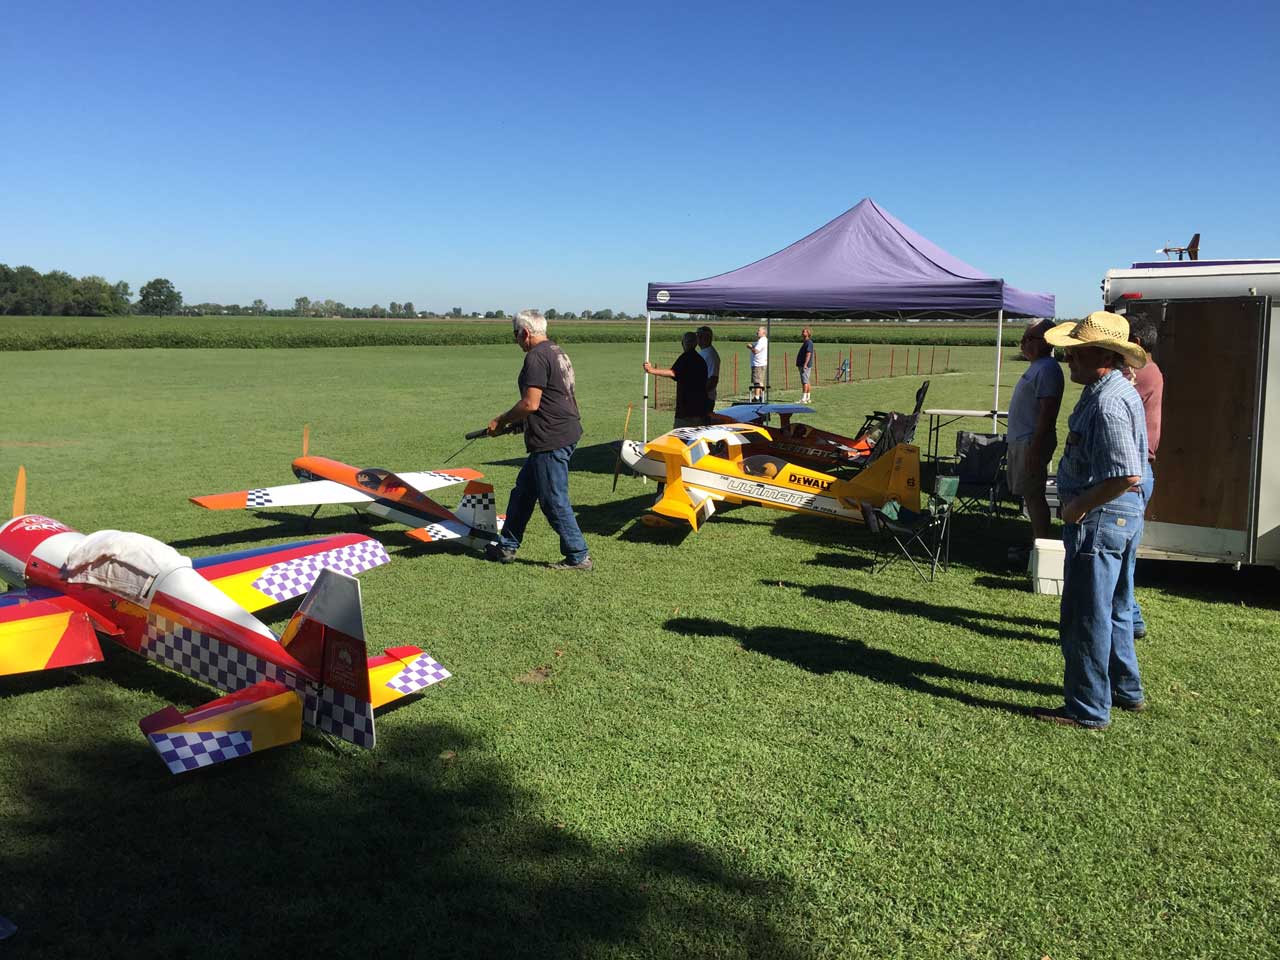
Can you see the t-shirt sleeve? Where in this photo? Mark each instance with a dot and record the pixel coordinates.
(537, 370)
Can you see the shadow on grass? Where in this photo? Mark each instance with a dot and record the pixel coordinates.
(440, 852)
(607, 519)
(979, 621)
(842, 561)
(825, 653)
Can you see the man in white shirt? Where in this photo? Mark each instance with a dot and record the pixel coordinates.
(759, 364)
(712, 358)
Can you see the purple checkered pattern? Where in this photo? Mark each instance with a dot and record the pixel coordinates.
(344, 716)
(422, 673)
(293, 578)
(188, 751)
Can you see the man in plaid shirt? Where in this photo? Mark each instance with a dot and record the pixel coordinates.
(1099, 480)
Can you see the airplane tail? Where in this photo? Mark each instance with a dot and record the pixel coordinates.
(478, 508)
(326, 634)
(894, 476)
(1193, 248)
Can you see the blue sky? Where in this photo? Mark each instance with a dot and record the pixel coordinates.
(499, 155)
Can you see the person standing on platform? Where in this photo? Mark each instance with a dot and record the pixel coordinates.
(552, 428)
(804, 363)
(1033, 436)
(1148, 380)
(759, 364)
(1100, 485)
(712, 358)
(690, 374)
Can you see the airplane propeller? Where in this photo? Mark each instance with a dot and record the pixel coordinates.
(20, 493)
(617, 463)
(306, 438)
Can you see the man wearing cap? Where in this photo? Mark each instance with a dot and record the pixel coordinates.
(1099, 480)
(1033, 420)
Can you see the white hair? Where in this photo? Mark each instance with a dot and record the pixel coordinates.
(531, 320)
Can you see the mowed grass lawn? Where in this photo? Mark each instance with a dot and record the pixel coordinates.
(743, 744)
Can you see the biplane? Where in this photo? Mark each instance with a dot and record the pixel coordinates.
(700, 466)
(401, 497)
(196, 617)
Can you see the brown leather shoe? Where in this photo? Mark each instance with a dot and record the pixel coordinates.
(1131, 706)
(1064, 719)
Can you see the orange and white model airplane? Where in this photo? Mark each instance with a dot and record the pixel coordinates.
(197, 617)
(381, 493)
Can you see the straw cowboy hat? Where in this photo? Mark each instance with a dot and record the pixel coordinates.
(1110, 331)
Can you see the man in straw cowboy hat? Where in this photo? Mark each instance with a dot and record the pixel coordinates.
(1099, 480)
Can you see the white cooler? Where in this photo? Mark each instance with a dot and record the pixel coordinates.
(1046, 567)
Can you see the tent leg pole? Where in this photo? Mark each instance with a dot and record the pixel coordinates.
(995, 401)
(648, 325)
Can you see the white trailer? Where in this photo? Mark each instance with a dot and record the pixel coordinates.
(1217, 494)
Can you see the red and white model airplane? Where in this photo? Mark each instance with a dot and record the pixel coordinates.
(381, 493)
(197, 617)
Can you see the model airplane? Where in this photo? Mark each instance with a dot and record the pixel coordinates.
(197, 618)
(373, 490)
(807, 445)
(1192, 249)
(702, 465)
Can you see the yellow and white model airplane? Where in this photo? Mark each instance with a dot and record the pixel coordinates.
(699, 466)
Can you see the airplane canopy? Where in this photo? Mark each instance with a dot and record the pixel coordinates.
(127, 564)
(864, 263)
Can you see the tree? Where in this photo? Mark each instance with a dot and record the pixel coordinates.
(455, 312)
(394, 310)
(408, 309)
(259, 307)
(302, 305)
(551, 314)
(159, 297)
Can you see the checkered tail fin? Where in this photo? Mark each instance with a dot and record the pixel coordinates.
(326, 635)
(478, 508)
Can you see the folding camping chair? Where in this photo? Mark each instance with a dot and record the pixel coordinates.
(842, 372)
(927, 532)
(887, 430)
(979, 469)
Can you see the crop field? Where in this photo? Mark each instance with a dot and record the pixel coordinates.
(103, 333)
(745, 743)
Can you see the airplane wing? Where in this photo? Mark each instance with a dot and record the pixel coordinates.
(310, 493)
(426, 480)
(268, 575)
(260, 716)
(41, 629)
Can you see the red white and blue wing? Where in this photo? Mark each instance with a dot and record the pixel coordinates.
(40, 629)
(310, 493)
(426, 480)
(258, 578)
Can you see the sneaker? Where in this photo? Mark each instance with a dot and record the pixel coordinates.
(1139, 633)
(498, 553)
(585, 565)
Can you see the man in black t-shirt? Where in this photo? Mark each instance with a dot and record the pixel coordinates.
(549, 411)
(690, 374)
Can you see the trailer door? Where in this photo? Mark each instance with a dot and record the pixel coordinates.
(1212, 354)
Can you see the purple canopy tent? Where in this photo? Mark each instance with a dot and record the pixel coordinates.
(864, 263)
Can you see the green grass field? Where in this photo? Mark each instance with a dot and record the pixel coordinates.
(743, 744)
(101, 333)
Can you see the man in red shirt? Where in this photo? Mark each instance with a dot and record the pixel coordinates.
(1149, 382)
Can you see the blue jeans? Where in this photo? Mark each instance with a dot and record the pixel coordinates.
(544, 480)
(1148, 484)
(1096, 626)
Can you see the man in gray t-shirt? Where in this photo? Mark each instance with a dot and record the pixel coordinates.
(1033, 418)
(548, 408)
